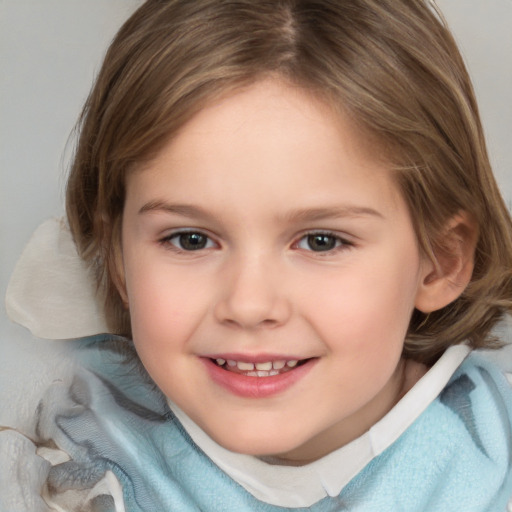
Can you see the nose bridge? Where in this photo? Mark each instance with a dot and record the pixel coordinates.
(252, 293)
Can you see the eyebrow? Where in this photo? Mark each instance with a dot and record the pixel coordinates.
(315, 214)
(300, 215)
(185, 210)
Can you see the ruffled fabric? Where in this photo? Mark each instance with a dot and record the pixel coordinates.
(52, 292)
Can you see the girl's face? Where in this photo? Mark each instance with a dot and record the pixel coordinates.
(271, 270)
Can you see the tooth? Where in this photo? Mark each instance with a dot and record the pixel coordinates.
(278, 365)
(220, 362)
(264, 366)
(291, 364)
(245, 366)
(273, 372)
(262, 373)
(231, 362)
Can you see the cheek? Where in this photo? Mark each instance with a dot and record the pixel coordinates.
(162, 321)
(164, 305)
(366, 307)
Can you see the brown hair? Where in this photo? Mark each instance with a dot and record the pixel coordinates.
(392, 64)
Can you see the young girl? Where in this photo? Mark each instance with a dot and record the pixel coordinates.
(289, 209)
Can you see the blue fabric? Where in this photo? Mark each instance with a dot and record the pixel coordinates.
(456, 457)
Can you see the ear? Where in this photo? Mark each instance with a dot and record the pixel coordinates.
(445, 278)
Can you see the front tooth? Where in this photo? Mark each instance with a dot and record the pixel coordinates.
(245, 367)
(278, 365)
(264, 366)
(292, 364)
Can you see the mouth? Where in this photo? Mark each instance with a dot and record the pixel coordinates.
(262, 377)
(269, 368)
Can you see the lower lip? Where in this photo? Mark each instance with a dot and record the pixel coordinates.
(256, 387)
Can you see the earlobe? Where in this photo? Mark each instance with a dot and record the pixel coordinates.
(445, 279)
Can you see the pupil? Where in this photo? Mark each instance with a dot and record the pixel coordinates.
(321, 242)
(192, 241)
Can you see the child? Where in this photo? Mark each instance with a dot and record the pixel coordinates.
(289, 209)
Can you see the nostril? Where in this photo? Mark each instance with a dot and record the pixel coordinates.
(252, 301)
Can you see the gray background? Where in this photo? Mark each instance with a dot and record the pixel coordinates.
(50, 51)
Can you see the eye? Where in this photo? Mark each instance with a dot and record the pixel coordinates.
(321, 242)
(189, 241)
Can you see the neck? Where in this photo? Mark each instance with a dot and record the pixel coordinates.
(406, 374)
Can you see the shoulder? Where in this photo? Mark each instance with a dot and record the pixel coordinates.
(457, 455)
(83, 412)
(467, 437)
(479, 398)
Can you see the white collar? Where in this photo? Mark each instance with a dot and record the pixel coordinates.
(302, 486)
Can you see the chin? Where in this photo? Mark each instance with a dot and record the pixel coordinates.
(257, 444)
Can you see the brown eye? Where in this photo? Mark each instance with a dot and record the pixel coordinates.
(321, 242)
(190, 241)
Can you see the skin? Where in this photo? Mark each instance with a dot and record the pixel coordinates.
(256, 173)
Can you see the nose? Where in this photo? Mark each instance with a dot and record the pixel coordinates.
(252, 295)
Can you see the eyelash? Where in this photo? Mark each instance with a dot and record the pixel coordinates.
(340, 243)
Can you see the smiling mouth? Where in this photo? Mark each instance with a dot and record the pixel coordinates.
(265, 369)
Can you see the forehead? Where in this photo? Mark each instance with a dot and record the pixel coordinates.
(271, 102)
(266, 140)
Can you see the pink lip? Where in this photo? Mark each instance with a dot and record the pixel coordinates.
(256, 387)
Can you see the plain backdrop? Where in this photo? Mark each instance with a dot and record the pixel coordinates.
(50, 51)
